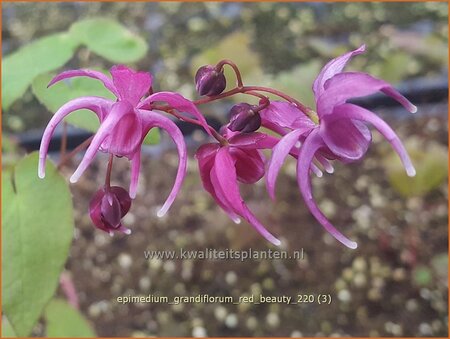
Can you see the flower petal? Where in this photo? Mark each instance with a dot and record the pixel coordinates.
(98, 105)
(309, 148)
(285, 114)
(350, 111)
(152, 119)
(224, 179)
(254, 140)
(206, 155)
(130, 85)
(349, 85)
(107, 82)
(124, 199)
(279, 154)
(126, 136)
(347, 140)
(118, 110)
(178, 102)
(111, 210)
(249, 164)
(332, 68)
(135, 171)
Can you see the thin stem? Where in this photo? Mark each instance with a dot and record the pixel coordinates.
(72, 153)
(171, 111)
(252, 89)
(108, 172)
(217, 97)
(230, 63)
(286, 97)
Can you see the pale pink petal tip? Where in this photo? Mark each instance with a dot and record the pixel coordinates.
(276, 242)
(125, 230)
(236, 220)
(351, 244)
(411, 171)
(41, 173)
(74, 178)
(316, 171)
(162, 212)
(133, 194)
(413, 109)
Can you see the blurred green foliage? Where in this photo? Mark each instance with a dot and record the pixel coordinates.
(431, 165)
(104, 37)
(7, 330)
(64, 321)
(21, 67)
(109, 39)
(37, 227)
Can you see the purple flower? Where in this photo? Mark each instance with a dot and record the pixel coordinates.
(337, 131)
(222, 167)
(107, 208)
(124, 123)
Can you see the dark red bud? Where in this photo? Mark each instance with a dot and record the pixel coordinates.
(108, 207)
(209, 81)
(244, 118)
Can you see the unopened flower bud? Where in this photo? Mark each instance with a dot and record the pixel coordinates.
(244, 118)
(209, 81)
(108, 207)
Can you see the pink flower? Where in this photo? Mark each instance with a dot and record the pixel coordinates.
(124, 123)
(339, 132)
(222, 167)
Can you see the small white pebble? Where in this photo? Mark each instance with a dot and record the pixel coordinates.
(220, 313)
(231, 321)
(231, 278)
(273, 320)
(125, 260)
(199, 332)
(344, 296)
(296, 334)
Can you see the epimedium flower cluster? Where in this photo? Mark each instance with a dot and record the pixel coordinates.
(335, 131)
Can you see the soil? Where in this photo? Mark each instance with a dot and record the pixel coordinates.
(375, 289)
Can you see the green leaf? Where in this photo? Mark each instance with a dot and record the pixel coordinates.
(41, 56)
(64, 321)
(109, 39)
(7, 330)
(60, 93)
(153, 137)
(36, 235)
(431, 166)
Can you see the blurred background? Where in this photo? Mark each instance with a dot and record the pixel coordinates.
(394, 284)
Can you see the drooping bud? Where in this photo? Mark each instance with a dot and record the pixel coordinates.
(244, 118)
(209, 81)
(108, 207)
